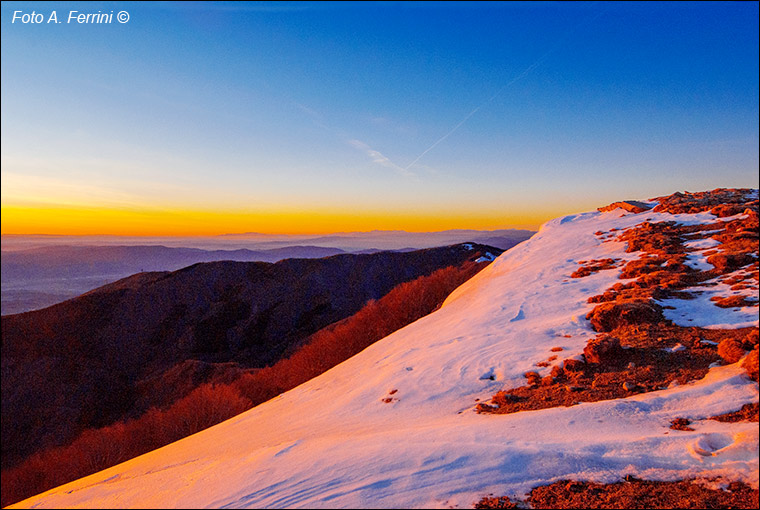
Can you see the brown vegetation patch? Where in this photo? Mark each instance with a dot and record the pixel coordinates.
(750, 364)
(748, 412)
(732, 301)
(721, 202)
(637, 350)
(594, 266)
(609, 316)
(496, 502)
(603, 349)
(731, 350)
(634, 359)
(681, 424)
(632, 493)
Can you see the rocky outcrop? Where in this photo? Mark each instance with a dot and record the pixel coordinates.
(631, 206)
(722, 202)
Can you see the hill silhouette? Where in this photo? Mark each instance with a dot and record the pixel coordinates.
(151, 338)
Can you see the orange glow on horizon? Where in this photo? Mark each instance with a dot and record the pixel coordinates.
(58, 220)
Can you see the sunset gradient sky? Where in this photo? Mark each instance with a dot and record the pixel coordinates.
(198, 118)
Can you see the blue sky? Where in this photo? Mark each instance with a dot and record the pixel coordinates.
(317, 108)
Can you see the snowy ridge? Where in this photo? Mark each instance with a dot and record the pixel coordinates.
(394, 426)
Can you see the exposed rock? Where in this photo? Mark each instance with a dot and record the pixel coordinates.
(632, 206)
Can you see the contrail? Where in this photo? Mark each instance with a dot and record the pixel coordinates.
(467, 117)
(520, 76)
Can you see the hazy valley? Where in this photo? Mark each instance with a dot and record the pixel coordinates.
(149, 340)
(39, 271)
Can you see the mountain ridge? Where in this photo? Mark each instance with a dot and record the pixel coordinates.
(101, 345)
(397, 425)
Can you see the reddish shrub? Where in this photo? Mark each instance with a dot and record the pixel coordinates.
(681, 424)
(209, 404)
(574, 365)
(724, 210)
(97, 449)
(607, 316)
(593, 266)
(731, 350)
(603, 349)
(494, 502)
(750, 364)
(336, 343)
(727, 262)
(748, 412)
(533, 378)
(731, 301)
(752, 338)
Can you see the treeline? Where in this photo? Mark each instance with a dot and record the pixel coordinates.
(212, 403)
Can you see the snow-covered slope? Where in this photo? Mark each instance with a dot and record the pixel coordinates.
(395, 426)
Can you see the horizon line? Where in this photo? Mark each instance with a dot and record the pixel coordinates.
(319, 234)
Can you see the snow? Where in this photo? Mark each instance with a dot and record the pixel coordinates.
(703, 313)
(703, 243)
(488, 257)
(333, 442)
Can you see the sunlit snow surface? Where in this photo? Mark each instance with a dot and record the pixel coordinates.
(333, 442)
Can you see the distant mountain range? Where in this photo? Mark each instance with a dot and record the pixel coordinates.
(39, 271)
(120, 349)
(391, 239)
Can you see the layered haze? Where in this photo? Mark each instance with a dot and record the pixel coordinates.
(39, 271)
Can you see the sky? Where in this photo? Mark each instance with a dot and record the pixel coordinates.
(209, 118)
